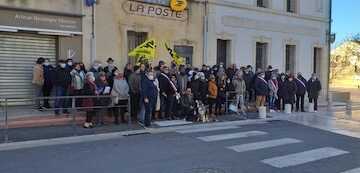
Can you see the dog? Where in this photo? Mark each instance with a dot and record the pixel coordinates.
(200, 112)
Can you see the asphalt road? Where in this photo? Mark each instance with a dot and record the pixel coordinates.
(275, 147)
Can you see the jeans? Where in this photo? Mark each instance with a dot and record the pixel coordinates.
(240, 102)
(38, 93)
(272, 100)
(300, 102)
(60, 103)
(149, 110)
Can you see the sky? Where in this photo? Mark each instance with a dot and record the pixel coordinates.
(346, 19)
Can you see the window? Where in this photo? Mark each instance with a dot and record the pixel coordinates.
(317, 60)
(263, 3)
(290, 57)
(291, 6)
(134, 40)
(185, 52)
(261, 55)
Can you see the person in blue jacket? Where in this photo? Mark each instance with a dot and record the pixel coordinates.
(149, 93)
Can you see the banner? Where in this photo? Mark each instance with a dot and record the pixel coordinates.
(177, 59)
(145, 51)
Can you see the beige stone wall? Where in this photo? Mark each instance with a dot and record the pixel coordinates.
(65, 6)
(112, 24)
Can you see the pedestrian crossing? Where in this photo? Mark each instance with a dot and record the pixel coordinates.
(280, 161)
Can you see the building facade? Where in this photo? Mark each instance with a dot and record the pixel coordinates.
(290, 35)
(121, 25)
(31, 29)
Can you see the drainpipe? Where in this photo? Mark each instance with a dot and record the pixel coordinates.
(205, 35)
(329, 50)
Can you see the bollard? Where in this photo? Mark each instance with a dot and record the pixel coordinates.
(288, 108)
(262, 112)
(311, 107)
(6, 138)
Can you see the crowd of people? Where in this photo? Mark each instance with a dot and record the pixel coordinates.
(168, 92)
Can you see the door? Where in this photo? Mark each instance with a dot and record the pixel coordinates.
(18, 54)
(222, 51)
(317, 60)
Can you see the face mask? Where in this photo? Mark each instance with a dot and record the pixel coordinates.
(96, 67)
(283, 77)
(62, 65)
(221, 66)
(46, 63)
(70, 63)
(151, 77)
(111, 65)
(92, 79)
(262, 76)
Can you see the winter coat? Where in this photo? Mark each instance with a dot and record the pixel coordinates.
(301, 85)
(89, 90)
(38, 75)
(282, 90)
(274, 87)
(166, 86)
(261, 87)
(182, 82)
(213, 90)
(313, 88)
(100, 90)
(78, 79)
(48, 76)
(62, 77)
(248, 79)
(120, 90)
(240, 86)
(187, 101)
(148, 89)
(134, 83)
(96, 71)
(290, 88)
(222, 86)
(109, 71)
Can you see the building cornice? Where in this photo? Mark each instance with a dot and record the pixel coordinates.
(265, 10)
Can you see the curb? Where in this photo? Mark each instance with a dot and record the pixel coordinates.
(118, 135)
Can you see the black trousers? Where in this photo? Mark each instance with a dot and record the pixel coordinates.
(300, 102)
(134, 104)
(47, 92)
(281, 104)
(90, 115)
(315, 100)
(212, 103)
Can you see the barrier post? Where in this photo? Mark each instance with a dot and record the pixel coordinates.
(129, 113)
(6, 137)
(73, 112)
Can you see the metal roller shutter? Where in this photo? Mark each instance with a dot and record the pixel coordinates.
(18, 54)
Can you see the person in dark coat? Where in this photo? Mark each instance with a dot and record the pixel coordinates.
(300, 92)
(261, 89)
(281, 92)
(87, 103)
(290, 91)
(187, 105)
(109, 71)
(268, 73)
(313, 89)
(62, 82)
(102, 89)
(96, 68)
(48, 81)
(127, 71)
(149, 93)
(199, 87)
(231, 71)
(248, 76)
(167, 93)
(134, 86)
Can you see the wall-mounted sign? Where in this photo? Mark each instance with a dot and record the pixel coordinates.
(39, 21)
(158, 2)
(178, 5)
(145, 9)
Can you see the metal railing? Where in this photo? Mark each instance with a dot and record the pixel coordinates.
(72, 107)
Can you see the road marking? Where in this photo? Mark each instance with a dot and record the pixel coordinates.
(263, 144)
(231, 136)
(202, 129)
(356, 170)
(303, 157)
(172, 123)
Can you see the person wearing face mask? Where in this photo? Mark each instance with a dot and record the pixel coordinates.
(62, 82)
(300, 92)
(212, 96)
(77, 82)
(102, 89)
(127, 71)
(274, 87)
(167, 93)
(109, 71)
(149, 93)
(96, 68)
(261, 89)
(313, 89)
(120, 91)
(48, 81)
(220, 100)
(38, 81)
(281, 92)
(87, 103)
(69, 64)
(290, 87)
(240, 90)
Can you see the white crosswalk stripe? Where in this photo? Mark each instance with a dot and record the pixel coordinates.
(263, 144)
(209, 129)
(356, 170)
(228, 136)
(303, 157)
